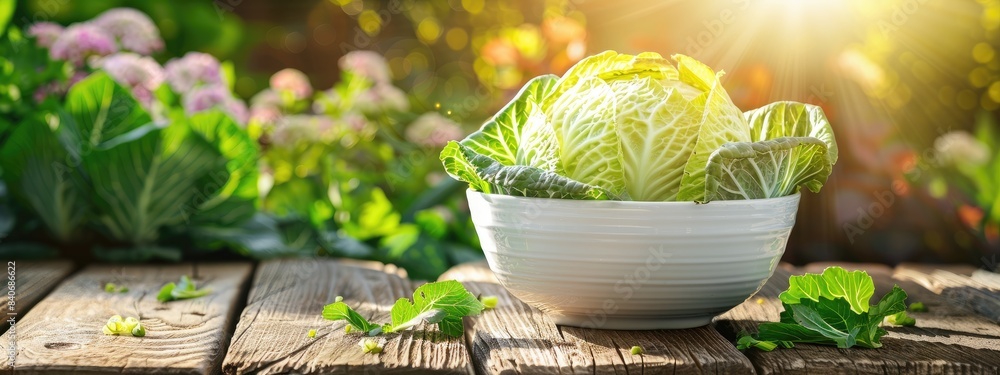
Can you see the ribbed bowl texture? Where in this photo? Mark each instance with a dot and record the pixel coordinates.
(632, 265)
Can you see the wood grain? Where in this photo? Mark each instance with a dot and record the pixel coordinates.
(62, 334)
(286, 301)
(977, 295)
(33, 279)
(515, 338)
(947, 339)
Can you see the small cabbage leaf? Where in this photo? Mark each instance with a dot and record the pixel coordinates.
(492, 177)
(514, 136)
(517, 135)
(766, 169)
(793, 147)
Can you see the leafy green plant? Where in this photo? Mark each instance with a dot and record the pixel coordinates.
(444, 303)
(350, 171)
(103, 162)
(640, 128)
(828, 309)
(968, 165)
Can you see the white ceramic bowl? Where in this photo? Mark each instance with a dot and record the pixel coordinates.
(632, 265)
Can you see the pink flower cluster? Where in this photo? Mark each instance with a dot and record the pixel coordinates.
(382, 95)
(293, 81)
(368, 65)
(433, 130)
(141, 74)
(216, 96)
(45, 33)
(116, 29)
(81, 41)
(132, 28)
(193, 70)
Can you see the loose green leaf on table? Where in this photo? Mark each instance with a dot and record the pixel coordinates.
(185, 289)
(901, 319)
(829, 309)
(444, 303)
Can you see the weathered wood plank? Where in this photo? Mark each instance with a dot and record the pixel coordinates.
(515, 338)
(62, 333)
(957, 289)
(958, 269)
(286, 301)
(991, 279)
(947, 339)
(33, 280)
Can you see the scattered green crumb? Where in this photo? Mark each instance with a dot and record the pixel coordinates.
(918, 307)
(312, 333)
(114, 288)
(489, 301)
(760, 301)
(901, 319)
(348, 328)
(116, 326)
(637, 350)
(370, 346)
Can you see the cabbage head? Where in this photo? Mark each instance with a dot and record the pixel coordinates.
(643, 128)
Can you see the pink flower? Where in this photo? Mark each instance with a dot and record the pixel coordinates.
(208, 97)
(132, 28)
(290, 130)
(265, 107)
(192, 70)
(383, 97)
(45, 33)
(367, 64)
(293, 81)
(141, 74)
(433, 130)
(80, 42)
(264, 114)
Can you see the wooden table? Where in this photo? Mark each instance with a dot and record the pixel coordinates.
(257, 322)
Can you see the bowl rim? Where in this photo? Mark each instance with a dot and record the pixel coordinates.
(583, 202)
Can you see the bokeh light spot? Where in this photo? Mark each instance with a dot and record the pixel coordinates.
(983, 52)
(295, 42)
(324, 35)
(370, 22)
(428, 30)
(456, 38)
(473, 6)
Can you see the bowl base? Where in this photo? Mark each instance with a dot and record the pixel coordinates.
(631, 324)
